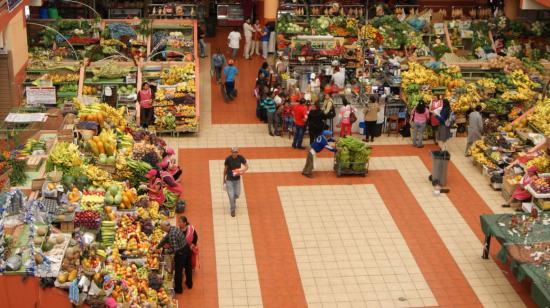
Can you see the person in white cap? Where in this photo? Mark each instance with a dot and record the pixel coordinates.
(235, 165)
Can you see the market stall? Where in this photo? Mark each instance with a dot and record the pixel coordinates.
(524, 241)
(92, 190)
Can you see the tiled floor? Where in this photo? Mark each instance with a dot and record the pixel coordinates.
(380, 241)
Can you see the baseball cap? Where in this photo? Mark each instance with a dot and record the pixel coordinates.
(327, 132)
(234, 150)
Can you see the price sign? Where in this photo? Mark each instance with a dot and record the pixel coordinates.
(41, 96)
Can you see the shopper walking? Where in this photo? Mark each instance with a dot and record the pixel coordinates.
(370, 116)
(475, 128)
(230, 72)
(435, 104)
(320, 143)
(174, 242)
(234, 41)
(444, 116)
(347, 118)
(235, 165)
(270, 107)
(419, 118)
(315, 122)
(218, 62)
(247, 30)
(192, 238)
(202, 44)
(265, 41)
(145, 98)
(256, 36)
(300, 116)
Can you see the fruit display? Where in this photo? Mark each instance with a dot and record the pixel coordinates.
(179, 73)
(33, 145)
(92, 200)
(63, 156)
(540, 117)
(541, 185)
(97, 176)
(541, 162)
(88, 219)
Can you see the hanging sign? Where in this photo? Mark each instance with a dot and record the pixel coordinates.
(41, 96)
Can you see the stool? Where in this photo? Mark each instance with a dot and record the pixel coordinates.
(393, 120)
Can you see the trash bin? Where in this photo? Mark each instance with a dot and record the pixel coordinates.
(440, 164)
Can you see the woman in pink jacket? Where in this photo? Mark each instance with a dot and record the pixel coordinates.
(419, 118)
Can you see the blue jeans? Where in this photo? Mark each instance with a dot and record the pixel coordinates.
(230, 88)
(418, 133)
(233, 192)
(298, 136)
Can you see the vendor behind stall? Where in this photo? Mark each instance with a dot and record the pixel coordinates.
(520, 193)
(154, 187)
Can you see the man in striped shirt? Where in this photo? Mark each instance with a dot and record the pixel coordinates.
(269, 104)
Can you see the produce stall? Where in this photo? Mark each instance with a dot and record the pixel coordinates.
(111, 66)
(524, 241)
(93, 189)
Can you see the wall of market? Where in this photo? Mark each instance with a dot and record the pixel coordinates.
(15, 34)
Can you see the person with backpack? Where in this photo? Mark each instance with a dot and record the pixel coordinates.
(218, 62)
(445, 116)
(370, 116)
(419, 118)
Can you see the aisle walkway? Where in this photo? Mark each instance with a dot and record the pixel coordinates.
(380, 241)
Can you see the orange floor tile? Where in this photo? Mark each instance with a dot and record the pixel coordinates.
(242, 110)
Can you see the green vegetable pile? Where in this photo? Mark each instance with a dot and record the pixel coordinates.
(352, 153)
(110, 70)
(18, 175)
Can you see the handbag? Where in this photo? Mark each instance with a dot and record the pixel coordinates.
(352, 117)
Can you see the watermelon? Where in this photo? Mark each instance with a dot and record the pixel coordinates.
(118, 199)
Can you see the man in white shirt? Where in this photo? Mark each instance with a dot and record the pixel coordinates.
(339, 77)
(248, 30)
(234, 40)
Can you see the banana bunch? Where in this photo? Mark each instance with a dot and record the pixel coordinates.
(467, 100)
(97, 176)
(122, 169)
(487, 84)
(351, 23)
(481, 145)
(482, 159)
(115, 116)
(519, 79)
(284, 76)
(540, 117)
(126, 141)
(32, 145)
(522, 94)
(178, 73)
(367, 32)
(186, 86)
(419, 74)
(541, 162)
